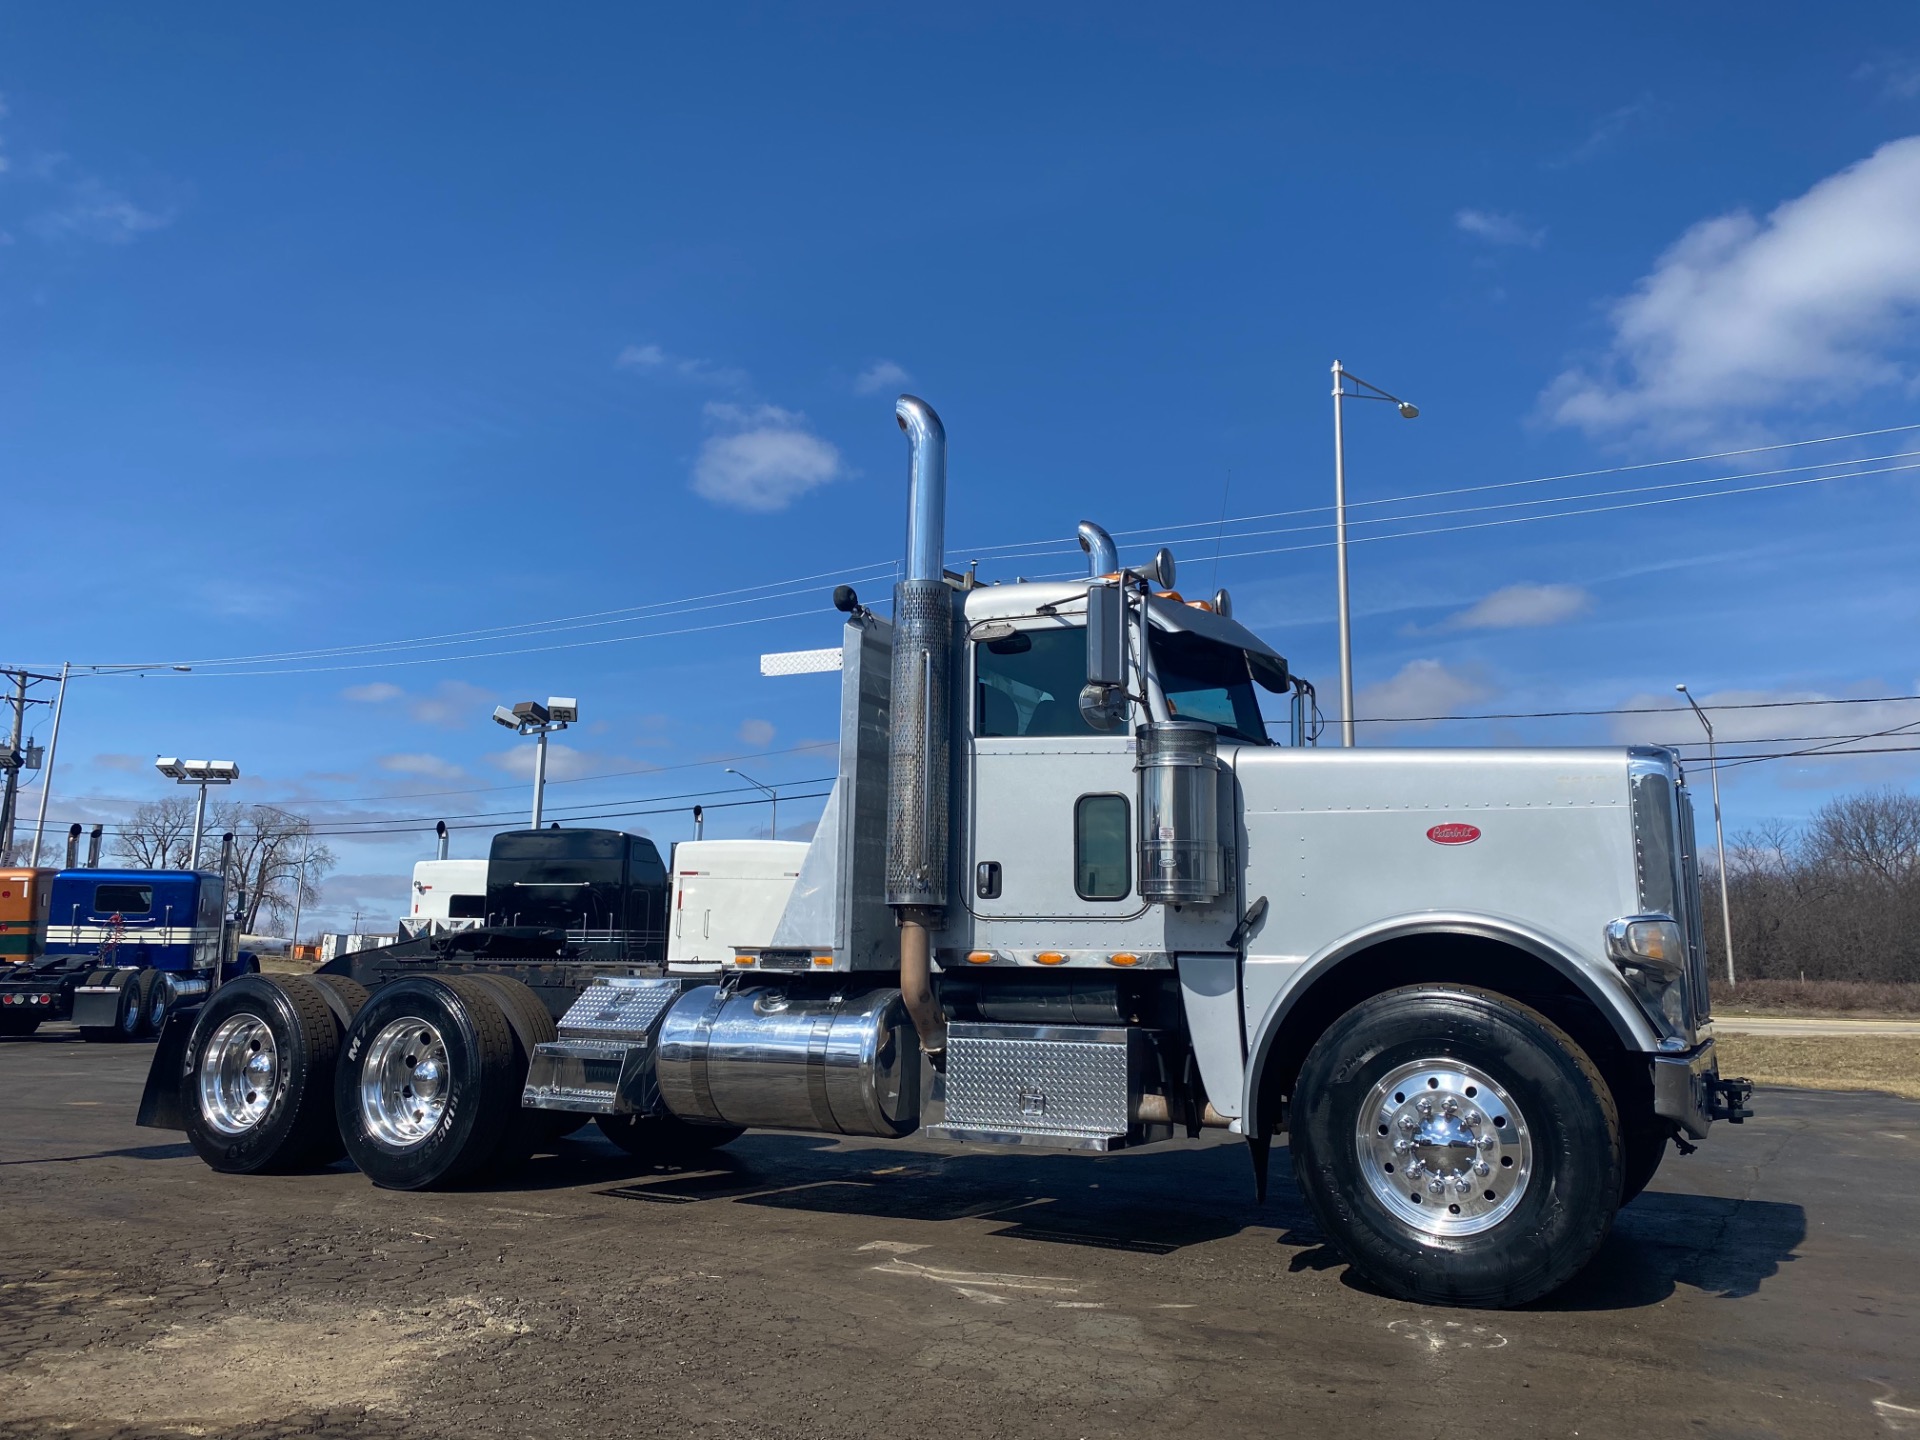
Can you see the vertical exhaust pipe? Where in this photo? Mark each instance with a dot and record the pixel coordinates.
(1103, 558)
(440, 829)
(918, 744)
(93, 847)
(73, 848)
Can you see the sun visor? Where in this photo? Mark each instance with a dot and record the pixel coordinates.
(1188, 619)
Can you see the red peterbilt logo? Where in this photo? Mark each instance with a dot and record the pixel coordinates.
(1454, 834)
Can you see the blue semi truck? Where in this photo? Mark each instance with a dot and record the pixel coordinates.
(122, 948)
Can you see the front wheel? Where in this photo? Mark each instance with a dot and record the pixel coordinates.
(1458, 1146)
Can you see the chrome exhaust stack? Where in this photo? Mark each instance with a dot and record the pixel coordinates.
(1103, 557)
(919, 756)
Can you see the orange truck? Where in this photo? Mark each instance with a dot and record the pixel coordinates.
(24, 897)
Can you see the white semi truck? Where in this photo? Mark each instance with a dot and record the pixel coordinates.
(1066, 892)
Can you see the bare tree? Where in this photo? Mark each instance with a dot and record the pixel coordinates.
(274, 853)
(159, 836)
(1876, 833)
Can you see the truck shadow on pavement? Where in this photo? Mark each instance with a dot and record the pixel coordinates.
(179, 1151)
(1721, 1246)
(1160, 1201)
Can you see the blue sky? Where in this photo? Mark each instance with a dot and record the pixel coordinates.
(322, 331)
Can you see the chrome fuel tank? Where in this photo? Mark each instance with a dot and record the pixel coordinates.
(767, 1059)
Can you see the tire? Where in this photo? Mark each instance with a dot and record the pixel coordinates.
(531, 1025)
(131, 1019)
(1643, 1148)
(159, 1001)
(285, 1124)
(665, 1139)
(351, 994)
(1457, 1146)
(449, 1129)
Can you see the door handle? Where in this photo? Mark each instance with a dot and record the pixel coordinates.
(986, 880)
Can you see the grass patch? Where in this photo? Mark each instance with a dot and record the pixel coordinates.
(1825, 1062)
(1817, 997)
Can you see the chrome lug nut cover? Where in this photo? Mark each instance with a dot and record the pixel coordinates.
(1443, 1147)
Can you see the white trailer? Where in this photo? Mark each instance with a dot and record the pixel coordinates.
(1066, 892)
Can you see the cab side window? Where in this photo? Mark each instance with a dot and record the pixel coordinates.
(1028, 684)
(1102, 865)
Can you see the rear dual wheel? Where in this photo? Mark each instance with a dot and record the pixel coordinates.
(428, 1094)
(256, 1089)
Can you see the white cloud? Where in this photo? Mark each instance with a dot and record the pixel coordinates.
(881, 375)
(1606, 130)
(756, 732)
(431, 766)
(1518, 607)
(765, 460)
(656, 359)
(89, 209)
(563, 762)
(450, 705)
(1498, 229)
(1421, 688)
(1813, 302)
(1898, 76)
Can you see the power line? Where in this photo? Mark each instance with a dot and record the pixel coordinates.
(1629, 710)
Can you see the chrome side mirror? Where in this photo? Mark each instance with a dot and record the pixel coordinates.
(1104, 707)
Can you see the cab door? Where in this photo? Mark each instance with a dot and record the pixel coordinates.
(1052, 801)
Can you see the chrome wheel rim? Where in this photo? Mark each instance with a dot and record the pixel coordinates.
(1444, 1147)
(238, 1074)
(157, 1005)
(136, 1009)
(403, 1083)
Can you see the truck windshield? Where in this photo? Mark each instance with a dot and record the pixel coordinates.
(1205, 680)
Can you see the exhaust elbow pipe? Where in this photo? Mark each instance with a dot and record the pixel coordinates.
(73, 847)
(1103, 558)
(93, 846)
(440, 829)
(919, 755)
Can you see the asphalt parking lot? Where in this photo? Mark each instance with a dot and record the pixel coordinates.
(802, 1286)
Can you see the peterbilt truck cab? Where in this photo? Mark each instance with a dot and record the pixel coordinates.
(1068, 892)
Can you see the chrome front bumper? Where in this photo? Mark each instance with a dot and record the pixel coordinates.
(1688, 1090)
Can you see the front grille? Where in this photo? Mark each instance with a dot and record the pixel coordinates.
(1692, 902)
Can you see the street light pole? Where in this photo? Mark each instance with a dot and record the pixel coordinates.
(46, 775)
(1719, 836)
(539, 775)
(773, 828)
(199, 826)
(1408, 411)
(202, 773)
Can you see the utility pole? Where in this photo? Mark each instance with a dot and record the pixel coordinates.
(12, 760)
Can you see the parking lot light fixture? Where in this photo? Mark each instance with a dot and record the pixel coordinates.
(201, 773)
(530, 717)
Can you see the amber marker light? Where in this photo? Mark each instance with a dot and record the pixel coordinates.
(979, 957)
(1123, 958)
(1051, 957)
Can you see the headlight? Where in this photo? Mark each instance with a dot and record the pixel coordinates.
(1652, 954)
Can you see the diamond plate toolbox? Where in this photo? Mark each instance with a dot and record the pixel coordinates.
(1064, 1086)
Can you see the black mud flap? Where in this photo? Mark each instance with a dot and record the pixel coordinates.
(160, 1101)
(1727, 1099)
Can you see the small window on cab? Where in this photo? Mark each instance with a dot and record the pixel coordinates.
(123, 899)
(1102, 855)
(1028, 683)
